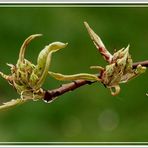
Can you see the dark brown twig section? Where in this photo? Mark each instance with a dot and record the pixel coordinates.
(51, 95)
(143, 63)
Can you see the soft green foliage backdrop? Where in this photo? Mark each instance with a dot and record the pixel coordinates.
(89, 113)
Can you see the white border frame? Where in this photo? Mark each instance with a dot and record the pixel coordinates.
(76, 3)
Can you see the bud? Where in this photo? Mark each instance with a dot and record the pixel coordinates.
(28, 78)
(119, 70)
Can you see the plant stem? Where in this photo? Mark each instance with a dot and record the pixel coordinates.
(51, 95)
(143, 63)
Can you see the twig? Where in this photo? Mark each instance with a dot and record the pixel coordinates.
(51, 95)
(143, 63)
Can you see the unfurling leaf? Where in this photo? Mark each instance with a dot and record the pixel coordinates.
(81, 76)
(98, 43)
(12, 103)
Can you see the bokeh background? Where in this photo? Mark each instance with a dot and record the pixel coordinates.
(90, 113)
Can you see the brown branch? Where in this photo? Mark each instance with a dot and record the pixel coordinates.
(51, 95)
(143, 63)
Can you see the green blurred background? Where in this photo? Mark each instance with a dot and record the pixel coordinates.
(90, 113)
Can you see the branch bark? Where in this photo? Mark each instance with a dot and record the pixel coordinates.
(51, 95)
(143, 63)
